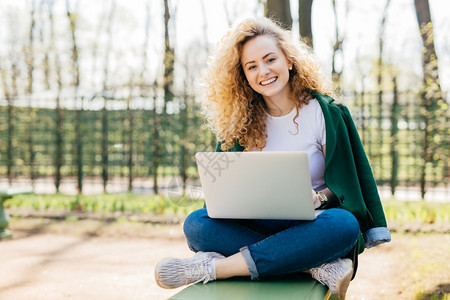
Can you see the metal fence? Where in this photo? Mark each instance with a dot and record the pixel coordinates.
(129, 140)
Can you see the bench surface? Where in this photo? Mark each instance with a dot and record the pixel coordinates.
(293, 287)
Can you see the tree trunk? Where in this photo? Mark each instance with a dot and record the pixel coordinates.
(59, 141)
(212, 141)
(429, 57)
(395, 112)
(72, 18)
(340, 33)
(279, 10)
(45, 60)
(106, 96)
(169, 59)
(431, 89)
(130, 137)
(380, 86)
(9, 149)
(143, 85)
(9, 94)
(184, 151)
(304, 21)
(156, 145)
(30, 70)
(142, 80)
(184, 120)
(161, 121)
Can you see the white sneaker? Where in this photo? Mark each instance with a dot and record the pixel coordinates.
(336, 275)
(172, 272)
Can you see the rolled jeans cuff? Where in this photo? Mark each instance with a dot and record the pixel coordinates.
(254, 275)
(376, 236)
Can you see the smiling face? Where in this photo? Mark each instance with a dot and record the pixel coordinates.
(266, 68)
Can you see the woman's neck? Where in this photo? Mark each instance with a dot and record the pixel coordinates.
(279, 107)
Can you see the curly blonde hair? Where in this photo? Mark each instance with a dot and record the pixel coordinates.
(234, 110)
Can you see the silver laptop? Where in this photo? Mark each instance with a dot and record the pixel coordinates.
(256, 185)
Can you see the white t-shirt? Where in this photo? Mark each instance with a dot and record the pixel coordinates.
(283, 135)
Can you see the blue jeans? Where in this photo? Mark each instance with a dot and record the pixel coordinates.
(275, 247)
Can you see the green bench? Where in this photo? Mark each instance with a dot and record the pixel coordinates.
(6, 193)
(300, 286)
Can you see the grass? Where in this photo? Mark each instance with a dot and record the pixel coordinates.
(401, 212)
(107, 203)
(417, 211)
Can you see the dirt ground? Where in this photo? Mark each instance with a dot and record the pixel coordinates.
(89, 259)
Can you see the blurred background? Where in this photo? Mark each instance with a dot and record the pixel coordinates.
(100, 116)
(105, 96)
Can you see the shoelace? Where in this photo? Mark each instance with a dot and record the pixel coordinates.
(199, 271)
(325, 272)
(321, 276)
(329, 273)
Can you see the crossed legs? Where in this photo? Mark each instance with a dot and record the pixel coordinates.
(272, 247)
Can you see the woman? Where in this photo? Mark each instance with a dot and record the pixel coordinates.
(265, 93)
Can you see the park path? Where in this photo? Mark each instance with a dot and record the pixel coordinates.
(67, 266)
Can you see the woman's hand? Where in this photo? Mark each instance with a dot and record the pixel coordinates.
(316, 200)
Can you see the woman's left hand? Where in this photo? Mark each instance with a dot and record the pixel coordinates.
(316, 200)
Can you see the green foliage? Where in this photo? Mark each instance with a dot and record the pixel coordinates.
(198, 138)
(399, 211)
(417, 211)
(394, 144)
(106, 203)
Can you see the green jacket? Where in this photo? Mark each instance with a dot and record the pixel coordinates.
(347, 170)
